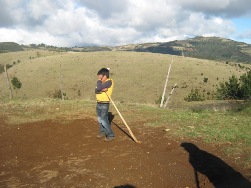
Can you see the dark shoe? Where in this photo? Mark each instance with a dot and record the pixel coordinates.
(108, 139)
(100, 135)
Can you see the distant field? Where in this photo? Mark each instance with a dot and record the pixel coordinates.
(139, 77)
(16, 57)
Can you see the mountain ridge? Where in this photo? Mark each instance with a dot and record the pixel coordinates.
(211, 48)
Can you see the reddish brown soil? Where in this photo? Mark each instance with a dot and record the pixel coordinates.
(68, 154)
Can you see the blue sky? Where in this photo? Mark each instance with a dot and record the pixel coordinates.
(243, 26)
(71, 23)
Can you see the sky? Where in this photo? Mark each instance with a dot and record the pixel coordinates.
(69, 23)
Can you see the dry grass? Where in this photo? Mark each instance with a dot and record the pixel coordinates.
(10, 58)
(139, 77)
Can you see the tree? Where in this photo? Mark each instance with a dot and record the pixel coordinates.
(236, 88)
(230, 89)
(16, 83)
(194, 95)
(245, 87)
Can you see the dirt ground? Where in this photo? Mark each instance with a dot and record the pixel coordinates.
(67, 154)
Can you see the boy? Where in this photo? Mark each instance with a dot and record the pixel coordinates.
(104, 88)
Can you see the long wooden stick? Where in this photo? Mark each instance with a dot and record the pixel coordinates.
(134, 138)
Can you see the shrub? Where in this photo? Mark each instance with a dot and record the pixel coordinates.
(8, 66)
(205, 80)
(245, 86)
(236, 88)
(79, 93)
(194, 95)
(16, 83)
(229, 90)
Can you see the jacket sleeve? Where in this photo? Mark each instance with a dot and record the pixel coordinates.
(101, 86)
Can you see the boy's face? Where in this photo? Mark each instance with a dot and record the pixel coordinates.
(102, 77)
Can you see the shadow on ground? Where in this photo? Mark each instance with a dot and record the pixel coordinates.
(125, 186)
(217, 171)
(110, 118)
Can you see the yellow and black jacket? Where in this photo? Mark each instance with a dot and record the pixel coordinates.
(101, 96)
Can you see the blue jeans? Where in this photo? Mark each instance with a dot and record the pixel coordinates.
(104, 124)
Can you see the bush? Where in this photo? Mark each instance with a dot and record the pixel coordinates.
(194, 95)
(205, 80)
(236, 88)
(16, 83)
(245, 86)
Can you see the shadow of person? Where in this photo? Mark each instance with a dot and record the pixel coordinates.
(125, 186)
(217, 171)
(110, 118)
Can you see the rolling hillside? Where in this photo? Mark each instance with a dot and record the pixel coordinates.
(212, 48)
(139, 77)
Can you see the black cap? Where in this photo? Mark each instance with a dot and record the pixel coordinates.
(103, 71)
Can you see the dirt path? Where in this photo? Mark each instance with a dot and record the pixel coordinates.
(68, 154)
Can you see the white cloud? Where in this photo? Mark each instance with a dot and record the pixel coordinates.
(113, 22)
(39, 9)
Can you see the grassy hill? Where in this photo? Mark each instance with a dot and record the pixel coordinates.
(13, 58)
(21, 56)
(10, 47)
(212, 48)
(139, 77)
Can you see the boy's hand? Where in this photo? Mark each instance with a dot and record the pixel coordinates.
(100, 77)
(105, 90)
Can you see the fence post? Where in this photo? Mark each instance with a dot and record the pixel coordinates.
(8, 83)
(164, 92)
(167, 100)
(61, 83)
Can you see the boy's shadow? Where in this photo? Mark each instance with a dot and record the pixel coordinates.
(110, 118)
(217, 171)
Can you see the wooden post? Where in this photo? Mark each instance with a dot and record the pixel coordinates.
(167, 100)
(8, 83)
(164, 92)
(61, 83)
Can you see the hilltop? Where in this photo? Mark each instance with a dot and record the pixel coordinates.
(10, 47)
(212, 48)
